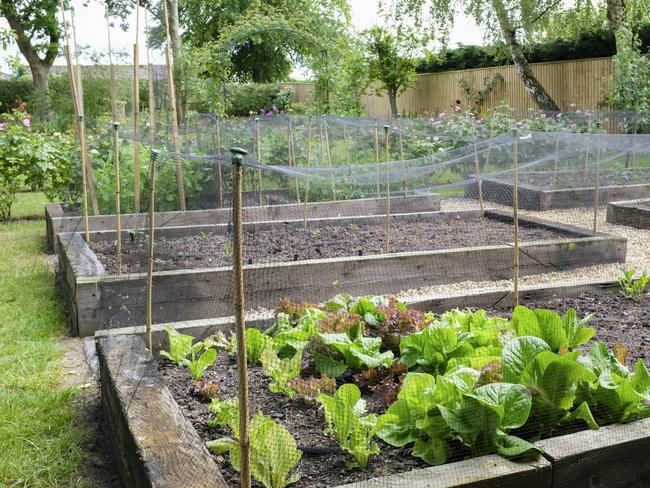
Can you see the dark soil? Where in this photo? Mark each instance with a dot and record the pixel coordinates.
(305, 421)
(284, 243)
(579, 179)
(616, 319)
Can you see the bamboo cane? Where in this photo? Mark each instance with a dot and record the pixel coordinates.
(309, 149)
(588, 144)
(329, 157)
(401, 154)
(152, 186)
(387, 157)
(80, 128)
(217, 134)
(258, 147)
(557, 157)
(136, 111)
(345, 144)
(174, 115)
(118, 218)
(377, 158)
(238, 272)
(111, 68)
(292, 159)
(151, 91)
(515, 193)
(479, 181)
(489, 148)
(597, 186)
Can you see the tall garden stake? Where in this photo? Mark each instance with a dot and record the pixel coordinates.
(118, 218)
(489, 148)
(180, 183)
(479, 181)
(401, 153)
(136, 111)
(377, 158)
(387, 157)
(329, 156)
(309, 150)
(217, 132)
(151, 92)
(345, 144)
(588, 143)
(557, 157)
(292, 159)
(597, 186)
(515, 195)
(238, 273)
(111, 68)
(152, 187)
(258, 148)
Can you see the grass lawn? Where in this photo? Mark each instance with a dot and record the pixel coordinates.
(40, 437)
(29, 205)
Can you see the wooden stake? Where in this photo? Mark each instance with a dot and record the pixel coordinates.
(515, 193)
(345, 144)
(377, 157)
(258, 147)
(588, 144)
(292, 159)
(151, 92)
(489, 149)
(118, 218)
(329, 157)
(478, 171)
(309, 149)
(597, 186)
(238, 273)
(387, 157)
(174, 116)
(557, 156)
(80, 128)
(111, 68)
(152, 187)
(217, 143)
(136, 111)
(401, 153)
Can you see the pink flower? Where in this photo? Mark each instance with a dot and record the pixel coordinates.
(578, 111)
(520, 123)
(3, 126)
(543, 116)
(573, 105)
(573, 126)
(559, 116)
(442, 115)
(27, 122)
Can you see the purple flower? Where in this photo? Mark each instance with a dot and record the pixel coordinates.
(3, 126)
(268, 114)
(262, 112)
(275, 110)
(573, 126)
(27, 122)
(442, 115)
(578, 111)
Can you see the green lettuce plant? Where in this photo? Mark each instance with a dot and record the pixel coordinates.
(281, 371)
(344, 414)
(358, 353)
(558, 332)
(180, 346)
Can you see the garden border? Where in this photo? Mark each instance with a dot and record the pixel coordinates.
(613, 456)
(630, 213)
(95, 300)
(57, 221)
(530, 198)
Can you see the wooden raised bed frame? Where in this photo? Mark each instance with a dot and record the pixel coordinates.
(58, 220)
(633, 213)
(157, 446)
(97, 301)
(530, 198)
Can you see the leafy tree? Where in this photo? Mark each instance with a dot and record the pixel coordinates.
(387, 64)
(515, 20)
(37, 34)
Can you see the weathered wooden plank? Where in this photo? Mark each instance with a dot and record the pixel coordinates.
(615, 456)
(156, 445)
(482, 472)
(632, 213)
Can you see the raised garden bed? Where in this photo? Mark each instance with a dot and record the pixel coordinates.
(543, 191)
(63, 218)
(613, 456)
(633, 213)
(97, 300)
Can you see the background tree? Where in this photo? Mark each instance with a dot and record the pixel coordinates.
(388, 65)
(37, 34)
(513, 21)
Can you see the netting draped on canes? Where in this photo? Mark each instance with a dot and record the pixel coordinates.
(364, 241)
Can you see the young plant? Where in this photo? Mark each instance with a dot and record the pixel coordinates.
(560, 333)
(358, 353)
(632, 287)
(309, 389)
(273, 452)
(384, 383)
(281, 370)
(204, 389)
(202, 356)
(180, 346)
(344, 414)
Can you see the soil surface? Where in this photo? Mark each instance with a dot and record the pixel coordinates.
(579, 179)
(618, 319)
(284, 243)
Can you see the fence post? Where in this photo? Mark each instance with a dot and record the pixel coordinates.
(118, 218)
(597, 186)
(238, 273)
(387, 157)
(152, 187)
(515, 195)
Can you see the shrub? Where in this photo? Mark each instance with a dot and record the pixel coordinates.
(12, 92)
(242, 99)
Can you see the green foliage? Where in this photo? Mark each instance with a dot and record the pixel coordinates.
(281, 371)
(256, 343)
(247, 98)
(559, 333)
(180, 346)
(13, 92)
(201, 358)
(360, 352)
(478, 97)
(344, 414)
(632, 287)
(631, 80)
(273, 452)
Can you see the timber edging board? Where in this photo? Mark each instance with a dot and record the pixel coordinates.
(633, 213)
(117, 301)
(154, 444)
(530, 198)
(57, 221)
(157, 446)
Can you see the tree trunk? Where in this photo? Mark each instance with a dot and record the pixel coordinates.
(616, 15)
(175, 38)
(392, 98)
(537, 92)
(39, 76)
